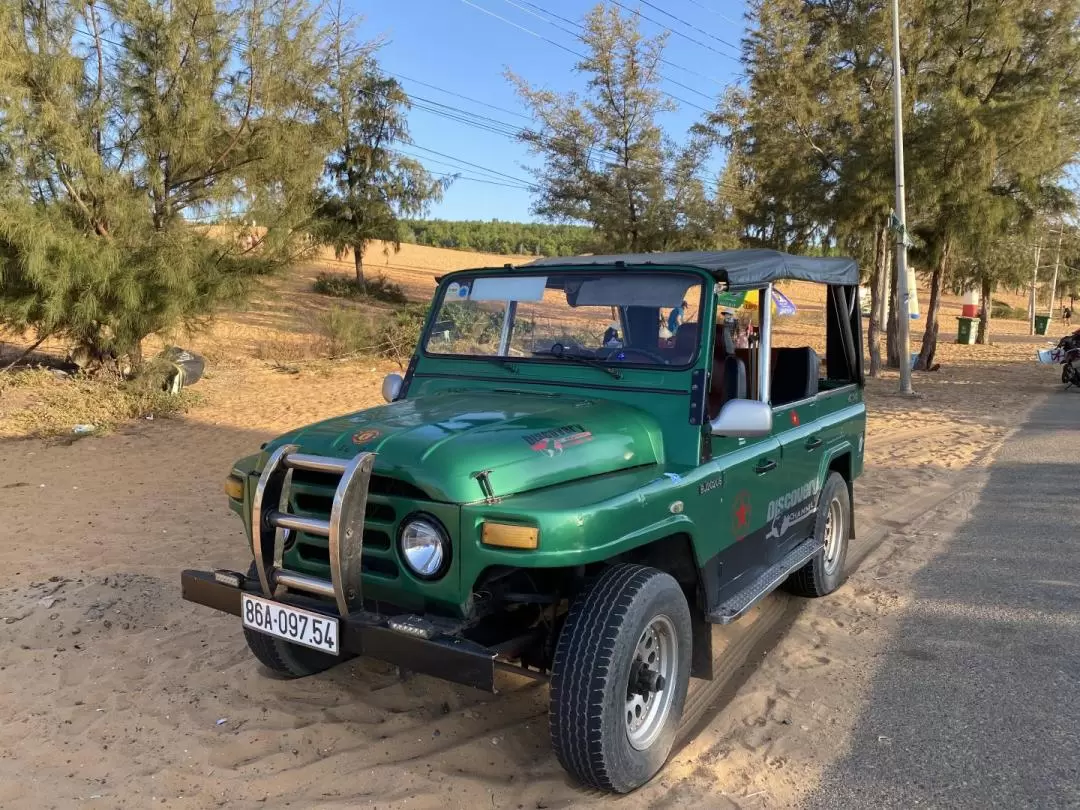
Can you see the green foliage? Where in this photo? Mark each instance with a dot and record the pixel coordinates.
(991, 118)
(392, 335)
(1000, 309)
(606, 161)
(369, 185)
(122, 121)
(376, 289)
(495, 236)
(472, 323)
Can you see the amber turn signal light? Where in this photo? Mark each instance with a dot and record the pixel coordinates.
(234, 488)
(506, 535)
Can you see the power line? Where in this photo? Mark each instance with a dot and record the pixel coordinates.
(474, 165)
(572, 51)
(457, 95)
(687, 37)
(523, 28)
(691, 26)
(581, 28)
(458, 174)
(666, 61)
(719, 14)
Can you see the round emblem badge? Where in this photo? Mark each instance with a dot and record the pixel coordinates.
(365, 436)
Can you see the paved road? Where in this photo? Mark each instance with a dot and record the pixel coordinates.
(977, 703)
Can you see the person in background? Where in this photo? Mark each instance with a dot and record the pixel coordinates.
(676, 317)
(1066, 314)
(611, 336)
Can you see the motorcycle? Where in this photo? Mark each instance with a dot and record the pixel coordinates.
(1067, 354)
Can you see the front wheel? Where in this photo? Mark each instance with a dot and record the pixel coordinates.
(285, 658)
(619, 679)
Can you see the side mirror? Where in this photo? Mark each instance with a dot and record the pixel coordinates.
(743, 418)
(391, 387)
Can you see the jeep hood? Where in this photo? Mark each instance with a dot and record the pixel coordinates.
(525, 441)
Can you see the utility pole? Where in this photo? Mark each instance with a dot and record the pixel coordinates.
(903, 314)
(1034, 283)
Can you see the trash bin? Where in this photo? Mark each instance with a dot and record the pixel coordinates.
(1042, 323)
(965, 330)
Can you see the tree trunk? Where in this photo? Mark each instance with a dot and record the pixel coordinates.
(358, 260)
(983, 337)
(878, 294)
(892, 337)
(929, 341)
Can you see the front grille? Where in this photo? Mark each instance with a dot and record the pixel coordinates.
(312, 495)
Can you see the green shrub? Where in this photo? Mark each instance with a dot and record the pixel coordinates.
(374, 289)
(1000, 309)
(378, 333)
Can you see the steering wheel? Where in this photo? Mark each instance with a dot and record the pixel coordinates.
(653, 356)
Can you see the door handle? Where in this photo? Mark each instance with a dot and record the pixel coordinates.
(764, 466)
(813, 443)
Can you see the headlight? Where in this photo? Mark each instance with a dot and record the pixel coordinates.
(424, 547)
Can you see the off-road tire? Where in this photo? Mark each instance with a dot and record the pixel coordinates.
(593, 659)
(284, 658)
(818, 577)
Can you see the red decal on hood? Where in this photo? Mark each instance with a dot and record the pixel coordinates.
(553, 446)
(365, 436)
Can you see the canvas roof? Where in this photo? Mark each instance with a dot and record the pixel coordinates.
(741, 269)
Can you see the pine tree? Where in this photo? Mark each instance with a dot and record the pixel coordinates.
(126, 122)
(369, 185)
(991, 123)
(606, 161)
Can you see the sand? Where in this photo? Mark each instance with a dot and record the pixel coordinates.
(115, 693)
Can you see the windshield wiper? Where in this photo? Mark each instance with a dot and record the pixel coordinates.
(585, 361)
(498, 360)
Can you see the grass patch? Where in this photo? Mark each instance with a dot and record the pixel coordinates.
(46, 405)
(373, 289)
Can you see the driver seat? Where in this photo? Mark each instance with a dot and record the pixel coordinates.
(728, 379)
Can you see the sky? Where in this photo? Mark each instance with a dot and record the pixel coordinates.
(438, 48)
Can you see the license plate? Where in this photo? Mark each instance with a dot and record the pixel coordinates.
(315, 630)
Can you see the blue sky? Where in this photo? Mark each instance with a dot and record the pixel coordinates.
(454, 46)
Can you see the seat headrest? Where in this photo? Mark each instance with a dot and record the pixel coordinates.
(795, 374)
(686, 340)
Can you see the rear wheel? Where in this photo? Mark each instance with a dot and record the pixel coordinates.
(619, 680)
(825, 572)
(286, 659)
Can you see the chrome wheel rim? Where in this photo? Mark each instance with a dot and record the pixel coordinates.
(834, 535)
(650, 686)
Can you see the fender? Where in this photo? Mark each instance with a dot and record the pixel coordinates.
(838, 451)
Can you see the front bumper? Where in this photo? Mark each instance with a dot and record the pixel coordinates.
(418, 645)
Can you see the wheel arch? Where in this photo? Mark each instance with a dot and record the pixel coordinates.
(674, 554)
(840, 460)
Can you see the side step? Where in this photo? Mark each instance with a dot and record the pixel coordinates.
(738, 604)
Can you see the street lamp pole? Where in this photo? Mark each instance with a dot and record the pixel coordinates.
(903, 315)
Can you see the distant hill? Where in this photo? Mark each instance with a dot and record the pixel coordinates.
(496, 236)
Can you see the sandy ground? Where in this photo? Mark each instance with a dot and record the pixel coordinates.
(115, 693)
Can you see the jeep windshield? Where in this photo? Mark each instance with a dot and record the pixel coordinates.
(608, 319)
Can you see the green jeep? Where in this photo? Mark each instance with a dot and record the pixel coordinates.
(578, 475)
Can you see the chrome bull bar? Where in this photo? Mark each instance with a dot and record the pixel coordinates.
(270, 520)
